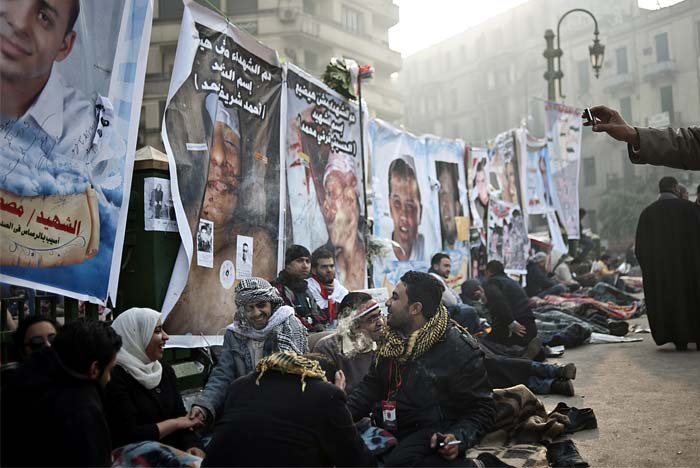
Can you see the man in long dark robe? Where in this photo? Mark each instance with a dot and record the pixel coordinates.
(668, 249)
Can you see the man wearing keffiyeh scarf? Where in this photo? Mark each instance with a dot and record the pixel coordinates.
(429, 378)
(261, 326)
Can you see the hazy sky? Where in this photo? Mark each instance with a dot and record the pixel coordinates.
(423, 23)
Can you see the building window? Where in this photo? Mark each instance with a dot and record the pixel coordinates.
(454, 97)
(490, 80)
(621, 56)
(667, 100)
(310, 60)
(662, 53)
(584, 80)
(352, 20)
(310, 7)
(589, 176)
(170, 9)
(626, 108)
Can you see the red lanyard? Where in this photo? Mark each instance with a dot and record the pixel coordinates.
(395, 380)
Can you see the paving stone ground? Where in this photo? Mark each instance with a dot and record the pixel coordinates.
(646, 399)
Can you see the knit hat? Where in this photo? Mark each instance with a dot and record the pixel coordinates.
(469, 287)
(539, 257)
(295, 251)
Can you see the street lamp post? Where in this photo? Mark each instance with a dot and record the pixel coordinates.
(596, 52)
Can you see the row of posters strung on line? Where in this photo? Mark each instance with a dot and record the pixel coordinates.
(261, 156)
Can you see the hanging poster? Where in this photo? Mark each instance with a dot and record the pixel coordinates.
(563, 127)
(539, 198)
(324, 175)
(450, 191)
(158, 207)
(405, 213)
(477, 162)
(507, 227)
(69, 119)
(221, 131)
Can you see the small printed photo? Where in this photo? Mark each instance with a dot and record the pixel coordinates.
(205, 244)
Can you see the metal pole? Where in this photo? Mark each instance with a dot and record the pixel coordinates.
(559, 52)
(550, 75)
(365, 234)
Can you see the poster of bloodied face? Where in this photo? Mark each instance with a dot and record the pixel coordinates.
(324, 175)
(222, 135)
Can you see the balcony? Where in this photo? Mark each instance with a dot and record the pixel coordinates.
(657, 71)
(617, 83)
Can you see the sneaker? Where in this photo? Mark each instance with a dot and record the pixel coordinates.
(567, 372)
(562, 387)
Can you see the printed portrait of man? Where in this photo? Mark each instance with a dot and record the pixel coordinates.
(406, 209)
(34, 36)
(341, 211)
(448, 202)
(480, 190)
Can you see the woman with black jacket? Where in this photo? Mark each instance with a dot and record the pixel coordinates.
(142, 401)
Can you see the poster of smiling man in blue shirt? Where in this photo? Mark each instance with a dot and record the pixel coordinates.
(71, 79)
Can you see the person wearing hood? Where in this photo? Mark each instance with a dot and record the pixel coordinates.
(294, 290)
(142, 400)
(353, 344)
(262, 325)
(52, 413)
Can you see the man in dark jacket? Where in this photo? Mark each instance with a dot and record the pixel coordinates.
(429, 380)
(292, 286)
(52, 410)
(509, 306)
(538, 284)
(284, 414)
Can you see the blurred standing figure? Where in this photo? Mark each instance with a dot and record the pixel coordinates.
(668, 251)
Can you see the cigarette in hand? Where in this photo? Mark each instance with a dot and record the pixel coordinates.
(447, 444)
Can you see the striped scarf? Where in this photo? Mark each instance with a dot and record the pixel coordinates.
(419, 342)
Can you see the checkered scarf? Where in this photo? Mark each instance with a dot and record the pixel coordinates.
(395, 346)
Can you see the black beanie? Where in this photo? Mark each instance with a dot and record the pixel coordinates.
(469, 287)
(295, 251)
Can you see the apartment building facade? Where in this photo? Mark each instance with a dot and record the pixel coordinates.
(490, 78)
(305, 32)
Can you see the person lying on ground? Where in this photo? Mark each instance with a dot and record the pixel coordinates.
(287, 413)
(538, 283)
(669, 147)
(262, 326)
(142, 401)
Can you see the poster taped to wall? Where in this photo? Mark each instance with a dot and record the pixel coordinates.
(563, 127)
(158, 206)
(222, 135)
(324, 174)
(405, 213)
(67, 144)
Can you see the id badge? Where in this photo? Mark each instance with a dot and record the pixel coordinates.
(389, 414)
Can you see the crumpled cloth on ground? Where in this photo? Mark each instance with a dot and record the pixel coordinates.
(153, 454)
(517, 455)
(601, 338)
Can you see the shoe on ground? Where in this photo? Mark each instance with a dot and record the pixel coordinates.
(681, 346)
(562, 387)
(567, 372)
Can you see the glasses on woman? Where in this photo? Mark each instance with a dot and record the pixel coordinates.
(35, 343)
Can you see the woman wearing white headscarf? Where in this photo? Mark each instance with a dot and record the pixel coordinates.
(262, 326)
(142, 401)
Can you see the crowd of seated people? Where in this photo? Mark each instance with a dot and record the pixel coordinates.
(418, 373)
